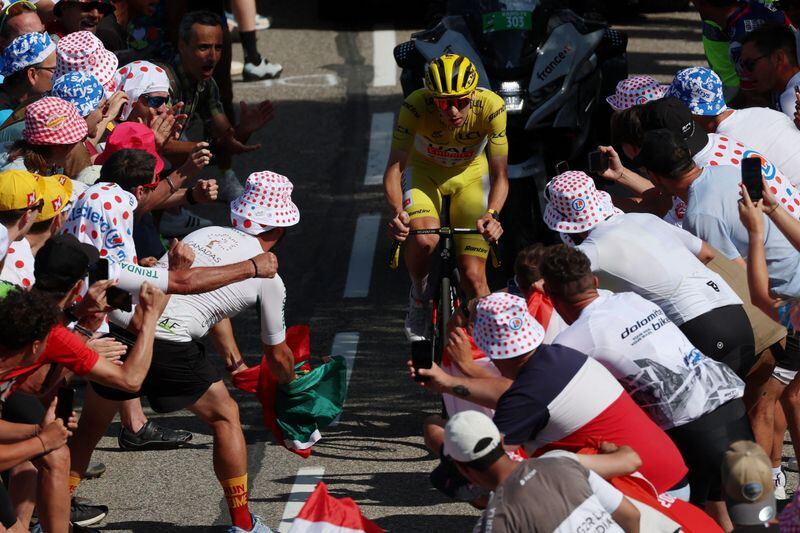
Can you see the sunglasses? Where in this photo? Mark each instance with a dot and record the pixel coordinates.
(750, 64)
(446, 103)
(155, 101)
(15, 8)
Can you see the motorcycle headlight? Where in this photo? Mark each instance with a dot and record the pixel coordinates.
(513, 94)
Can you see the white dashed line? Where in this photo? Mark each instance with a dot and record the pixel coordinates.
(383, 65)
(346, 345)
(304, 484)
(380, 143)
(359, 272)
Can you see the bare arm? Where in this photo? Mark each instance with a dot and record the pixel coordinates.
(482, 391)
(392, 189)
(788, 225)
(756, 266)
(620, 462)
(627, 516)
(225, 342)
(498, 179)
(280, 361)
(205, 279)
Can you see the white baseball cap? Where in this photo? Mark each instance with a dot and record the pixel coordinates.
(504, 328)
(469, 436)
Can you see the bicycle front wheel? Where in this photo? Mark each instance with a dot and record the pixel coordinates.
(443, 312)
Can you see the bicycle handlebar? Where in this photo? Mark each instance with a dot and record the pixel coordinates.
(394, 257)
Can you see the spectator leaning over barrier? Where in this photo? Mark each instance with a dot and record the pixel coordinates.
(769, 60)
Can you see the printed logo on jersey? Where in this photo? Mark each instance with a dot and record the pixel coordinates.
(515, 324)
(645, 326)
(578, 205)
(768, 170)
(693, 358)
(113, 239)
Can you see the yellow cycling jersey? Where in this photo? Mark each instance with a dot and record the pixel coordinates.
(422, 133)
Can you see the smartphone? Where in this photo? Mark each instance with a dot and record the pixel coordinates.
(751, 177)
(421, 356)
(116, 297)
(598, 162)
(66, 397)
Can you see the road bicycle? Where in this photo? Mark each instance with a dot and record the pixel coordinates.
(444, 285)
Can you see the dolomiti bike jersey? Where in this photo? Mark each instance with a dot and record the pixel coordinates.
(432, 143)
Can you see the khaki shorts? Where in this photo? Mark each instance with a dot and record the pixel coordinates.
(765, 330)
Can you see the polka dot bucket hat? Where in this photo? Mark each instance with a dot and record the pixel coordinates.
(574, 204)
(83, 51)
(265, 204)
(503, 327)
(636, 90)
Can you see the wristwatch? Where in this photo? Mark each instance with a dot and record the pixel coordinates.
(495, 214)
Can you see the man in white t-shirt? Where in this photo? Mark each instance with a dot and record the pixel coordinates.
(641, 253)
(548, 494)
(182, 375)
(769, 60)
(770, 132)
(695, 399)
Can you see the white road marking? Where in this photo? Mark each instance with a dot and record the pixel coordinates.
(305, 80)
(383, 65)
(346, 345)
(380, 142)
(304, 484)
(359, 272)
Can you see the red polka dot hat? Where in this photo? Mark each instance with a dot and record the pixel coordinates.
(83, 51)
(53, 121)
(574, 204)
(265, 204)
(503, 327)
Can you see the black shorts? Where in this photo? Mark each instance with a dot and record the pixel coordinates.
(703, 443)
(725, 335)
(788, 357)
(181, 372)
(23, 408)
(8, 515)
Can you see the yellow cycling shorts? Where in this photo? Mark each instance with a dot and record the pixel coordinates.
(469, 199)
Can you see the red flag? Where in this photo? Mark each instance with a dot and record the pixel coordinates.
(322, 513)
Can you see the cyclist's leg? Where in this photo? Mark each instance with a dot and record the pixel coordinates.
(468, 205)
(421, 200)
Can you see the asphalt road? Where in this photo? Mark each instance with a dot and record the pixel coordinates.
(320, 139)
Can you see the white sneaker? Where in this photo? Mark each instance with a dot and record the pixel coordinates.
(780, 486)
(418, 319)
(237, 67)
(263, 71)
(262, 22)
(258, 527)
(181, 224)
(230, 187)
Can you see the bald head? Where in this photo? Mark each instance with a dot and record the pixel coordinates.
(20, 24)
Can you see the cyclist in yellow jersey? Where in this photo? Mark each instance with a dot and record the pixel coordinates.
(438, 148)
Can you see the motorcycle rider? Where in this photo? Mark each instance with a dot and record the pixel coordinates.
(438, 149)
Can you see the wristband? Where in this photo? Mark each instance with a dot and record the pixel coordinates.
(493, 213)
(255, 266)
(172, 187)
(190, 196)
(44, 448)
(235, 366)
(772, 210)
(36, 430)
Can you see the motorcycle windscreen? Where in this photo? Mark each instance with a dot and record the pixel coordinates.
(508, 35)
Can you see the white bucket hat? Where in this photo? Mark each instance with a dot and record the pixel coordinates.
(265, 204)
(503, 327)
(574, 204)
(636, 90)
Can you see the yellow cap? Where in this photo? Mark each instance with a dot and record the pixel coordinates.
(19, 189)
(57, 193)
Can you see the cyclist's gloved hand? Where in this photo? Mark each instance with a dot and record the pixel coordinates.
(399, 226)
(489, 227)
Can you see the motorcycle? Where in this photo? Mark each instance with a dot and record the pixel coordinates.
(551, 67)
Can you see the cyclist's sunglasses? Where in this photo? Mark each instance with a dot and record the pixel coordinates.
(446, 103)
(155, 101)
(15, 8)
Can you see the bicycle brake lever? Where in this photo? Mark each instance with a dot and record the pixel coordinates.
(394, 258)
